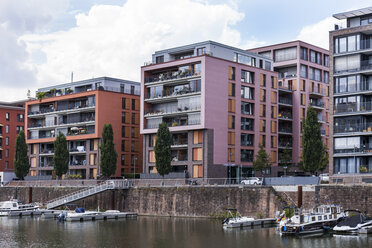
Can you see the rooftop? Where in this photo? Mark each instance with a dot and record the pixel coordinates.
(353, 13)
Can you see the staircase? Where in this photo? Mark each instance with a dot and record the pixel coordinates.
(107, 185)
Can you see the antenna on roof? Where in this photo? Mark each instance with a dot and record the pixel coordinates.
(72, 76)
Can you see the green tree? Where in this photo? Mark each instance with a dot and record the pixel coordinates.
(108, 153)
(285, 158)
(21, 162)
(314, 153)
(61, 155)
(262, 160)
(163, 150)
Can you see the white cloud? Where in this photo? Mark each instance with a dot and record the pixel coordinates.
(18, 17)
(116, 40)
(318, 33)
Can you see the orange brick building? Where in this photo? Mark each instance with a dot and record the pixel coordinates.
(79, 110)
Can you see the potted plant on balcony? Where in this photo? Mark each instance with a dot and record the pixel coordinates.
(363, 169)
(40, 95)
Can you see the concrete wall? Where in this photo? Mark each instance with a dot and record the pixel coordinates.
(205, 201)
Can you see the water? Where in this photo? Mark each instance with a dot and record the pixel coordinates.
(157, 232)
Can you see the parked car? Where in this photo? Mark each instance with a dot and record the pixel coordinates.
(252, 180)
(324, 177)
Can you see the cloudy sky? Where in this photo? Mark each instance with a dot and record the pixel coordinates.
(43, 41)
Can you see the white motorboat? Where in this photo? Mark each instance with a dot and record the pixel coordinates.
(317, 220)
(79, 215)
(235, 219)
(353, 223)
(7, 207)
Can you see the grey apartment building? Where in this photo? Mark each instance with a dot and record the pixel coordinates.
(351, 92)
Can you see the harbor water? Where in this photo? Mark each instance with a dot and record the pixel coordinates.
(157, 232)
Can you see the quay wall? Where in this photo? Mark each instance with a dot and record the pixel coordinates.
(204, 201)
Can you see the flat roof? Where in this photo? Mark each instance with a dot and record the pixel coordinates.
(353, 13)
(188, 47)
(76, 83)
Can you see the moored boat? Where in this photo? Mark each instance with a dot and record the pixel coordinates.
(317, 220)
(234, 219)
(353, 223)
(7, 207)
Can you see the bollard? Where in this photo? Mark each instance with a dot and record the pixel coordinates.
(299, 196)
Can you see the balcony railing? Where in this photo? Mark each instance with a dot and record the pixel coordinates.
(364, 65)
(365, 127)
(287, 101)
(364, 150)
(60, 123)
(317, 91)
(50, 110)
(352, 107)
(285, 130)
(317, 104)
(285, 115)
(185, 91)
(285, 75)
(171, 123)
(172, 110)
(170, 76)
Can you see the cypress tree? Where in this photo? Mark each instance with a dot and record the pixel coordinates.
(262, 160)
(61, 155)
(285, 157)
(314, 154)
(108, 153)
(21, 162)
(163, 150)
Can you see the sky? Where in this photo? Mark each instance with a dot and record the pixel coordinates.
(42, 41)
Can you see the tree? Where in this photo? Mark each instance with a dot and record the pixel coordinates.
(108, 153)
(21, 162)
(163, 150)
(262, 160)
(285, 158)
(314, 153)
(61, 155)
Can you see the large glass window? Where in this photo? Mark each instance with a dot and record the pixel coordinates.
(347, 44)
(303, 71)
(326, 60)
(247, 77)
(346, 84)
(246, 139)
(326, 77)
(347, 63)
(244, 59)
(247, 93)
(303, 53)
(247, 108)
(246, 155)
(285, 54)
(247, 124)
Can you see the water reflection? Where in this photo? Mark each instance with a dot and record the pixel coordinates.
(157, 232)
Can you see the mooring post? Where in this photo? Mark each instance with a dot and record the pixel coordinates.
(299, 196)
(30, 195)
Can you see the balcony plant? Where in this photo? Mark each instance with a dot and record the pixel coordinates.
(363, 169)
(40, 95)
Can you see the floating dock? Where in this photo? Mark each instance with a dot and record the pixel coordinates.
(252, 223)
(37, 212)
(100, 216)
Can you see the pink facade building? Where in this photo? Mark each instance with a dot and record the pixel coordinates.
(303, 79)
(219, 102)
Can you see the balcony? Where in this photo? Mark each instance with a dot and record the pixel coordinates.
(317, 92)
(365, 65)
(173, 111)
(350, 129)
(77, 150)
(174, 122)
(285, 145)
(285, 101)
(78, 163)
(42, 112)
(52, 124)
(353, 108)
(287, 116)
(317, 104)
(285, 130)
(364, 150)
(176, 76)
(47, 152)
(168, 95)
(179, 141)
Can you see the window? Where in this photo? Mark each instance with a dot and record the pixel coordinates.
(326, 77)
(262, 140)
(231, 105)
(246, 155)
(122, 159)
(197, 154)
(7, 116)
(7, 153)
(20, 118)
(231, 122)
(133, 104)
(263, 80)
(123, 145)
(133, 132)
(133, 118)
(247, 108)
(159, 59)
(132, 89)
(231, 73)
(262, 125)
(231, 138)
(247, 77)
(197, 171)
(267, 65)
(7, 141)
(231, 89)
(347, 63)
(122, 88)
(123, 117)
(19, 128)
(326, 60)
(198, 137)
(152, 157)
(133, 160)
(123, 106)
(303, 99)
(314, 74)
(123, 131)
(273, 112)
(247, 92)
(201, 51)
(346, 84)
(303, 71)
(273, 82)
(348, 44)
(262, 110)
(246, 139)
(303, 53)
(285, 54)
(247, 124)
(273, 142)
(244, 59)
(262, 95)
(132, 146)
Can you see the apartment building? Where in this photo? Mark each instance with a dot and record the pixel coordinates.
(219, 102)
(79, 110)
(351, 87)
(12, 116)
(303, 79)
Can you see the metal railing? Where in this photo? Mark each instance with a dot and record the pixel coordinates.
(364, 65)
(285, 100)
(352, 107)
(365, 127)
